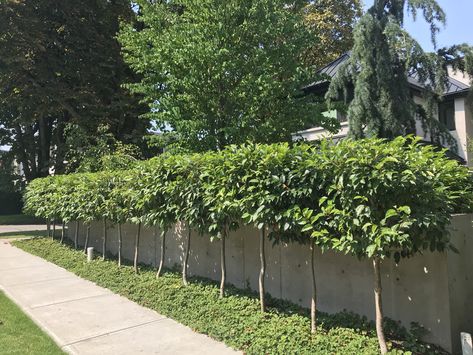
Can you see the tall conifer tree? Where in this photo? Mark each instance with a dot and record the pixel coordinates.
(383, 57)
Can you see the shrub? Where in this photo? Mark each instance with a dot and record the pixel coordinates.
(369, 198)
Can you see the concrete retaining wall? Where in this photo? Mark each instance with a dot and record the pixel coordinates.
(434, 289)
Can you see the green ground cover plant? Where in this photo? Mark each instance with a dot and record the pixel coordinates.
(19, 335)
(234, 319)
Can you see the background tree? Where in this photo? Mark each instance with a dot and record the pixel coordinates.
(11, 185)
(218, 73)
(86, 153)
(382, 57)
(333, 22)
(60, 65)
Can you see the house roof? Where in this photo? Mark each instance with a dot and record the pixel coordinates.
(453, 86)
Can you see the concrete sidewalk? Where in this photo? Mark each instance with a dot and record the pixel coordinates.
(84, 318)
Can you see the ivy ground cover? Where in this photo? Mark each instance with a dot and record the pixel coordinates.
(234, 319)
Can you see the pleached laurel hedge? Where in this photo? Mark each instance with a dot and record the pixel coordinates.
(370, 198)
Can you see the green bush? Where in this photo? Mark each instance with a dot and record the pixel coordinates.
(369, 198)
(235, 319)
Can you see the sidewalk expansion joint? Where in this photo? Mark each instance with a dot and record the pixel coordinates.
(73, 300)
(39, 281)
(113, 332)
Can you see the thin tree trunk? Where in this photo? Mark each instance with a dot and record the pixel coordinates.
(87, 234)
(163, 248)
(186, 258)
(48, 227)
(76, 235)
(222, 262)
(137, 245)
(63, 231)
(104, 240)
(23, 153)
(262, 269)
(313, 303)
(54, 229)
(379, 306)
(44, 130)
(119, 244)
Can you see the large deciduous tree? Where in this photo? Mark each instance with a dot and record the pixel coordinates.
(60, 65)
(217, 73)
(333, 22)
(383, 57)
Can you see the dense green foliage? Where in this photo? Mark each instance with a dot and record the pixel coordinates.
(333, 22)
(60, 77)
(234, 319)
(20, 335)
(218, 73)
(383, 56)
(368, 198)
(11, 202)
(374, 196)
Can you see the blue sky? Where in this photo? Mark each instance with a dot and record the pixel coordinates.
(459, 28)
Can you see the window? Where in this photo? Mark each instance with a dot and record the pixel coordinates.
(447, 114)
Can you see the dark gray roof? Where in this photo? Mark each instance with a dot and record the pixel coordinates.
(453, 86)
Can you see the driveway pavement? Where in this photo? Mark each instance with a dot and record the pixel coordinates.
(84, 318)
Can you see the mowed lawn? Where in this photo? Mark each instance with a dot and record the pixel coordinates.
(18, 333)
(19, 219)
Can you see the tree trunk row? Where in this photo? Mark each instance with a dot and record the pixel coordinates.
(119, 244)
(163, 249)
(104, 239)
(379, 306)
(313, 303)
(76, 235)
(223, 266)
(87, 235)
(186, 257)
(54, 230)
(137, 245)
(262, 273)
(63, 231)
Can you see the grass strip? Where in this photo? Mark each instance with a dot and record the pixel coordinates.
(19, 334)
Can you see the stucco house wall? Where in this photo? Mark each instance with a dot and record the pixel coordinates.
(434, 289)
(463, 129)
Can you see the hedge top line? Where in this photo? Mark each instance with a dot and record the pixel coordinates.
(369, 198)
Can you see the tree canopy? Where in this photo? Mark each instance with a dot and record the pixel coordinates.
(217, 73)
(333, 22)
(384, 55)
(60, 65)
